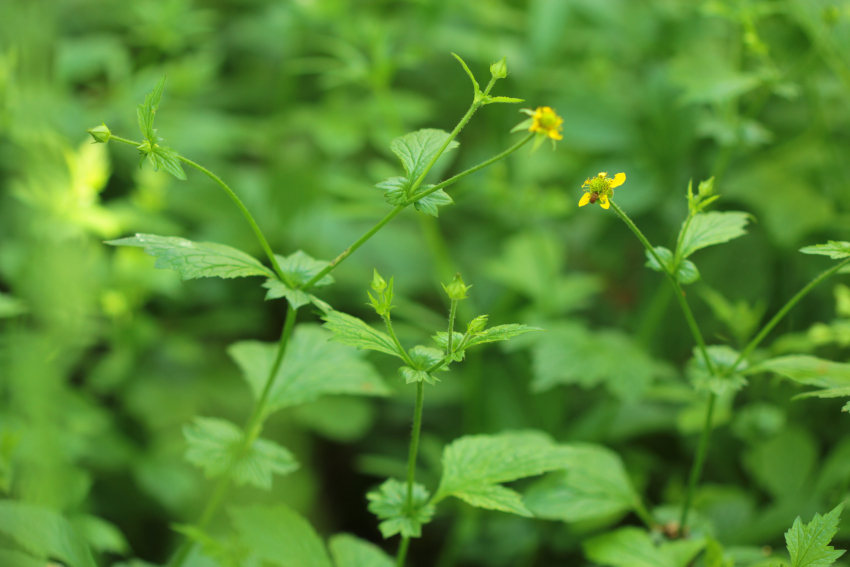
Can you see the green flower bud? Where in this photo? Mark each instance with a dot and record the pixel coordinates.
(456, 289)
(101, 134)
(499, 69)
(379, 284)
(477, 325)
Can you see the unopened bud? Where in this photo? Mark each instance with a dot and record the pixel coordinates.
(379, 284)
(101, 134)
(456, 289)
(499, 69)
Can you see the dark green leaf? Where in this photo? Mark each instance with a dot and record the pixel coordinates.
(295, 297)
(389, 503)
(411, 375)
(196, 259)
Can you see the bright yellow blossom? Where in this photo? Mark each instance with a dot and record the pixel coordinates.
(545, 121)
(601, 189)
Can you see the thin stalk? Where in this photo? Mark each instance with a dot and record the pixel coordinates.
(644, 515)
(235, 198)
(696, 469)
(402, 551)
(784, 311)
(452, 312)
(411, 465)
(401, 351)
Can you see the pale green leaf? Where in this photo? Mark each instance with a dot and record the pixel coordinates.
(389, 503)
(350, 551)
(103, 536)
(280, 536)
(507, 99)
(350, 330)
(170, 162)
(44, 533)
(808, 544)
(395, 189)
(633, 547)
(475, 465)
(417, 149)
(298, 268)
(593, 485)
(196, 259)
(829, 393)
(312, 367)
(15, 559)
(468, 72)
(430, 203)
(834, 249)
(214, 446)
(707, 229)
(11, 306)
(500, 333)
(807, 369)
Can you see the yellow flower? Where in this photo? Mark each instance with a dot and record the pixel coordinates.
(601, 189)
(545, 121)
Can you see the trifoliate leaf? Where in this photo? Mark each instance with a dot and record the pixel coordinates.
(350, 330)
(280, 536)
(299, 268)
(686, 273)
(834, 249)
(312, 367)
(44, 534)
(475, 465)
(389, 503)
(429, 203)
(170, 162)
(196, 259)
(417, 149)
(350, 551)
(395, 189)
(633, 547)
(295, 297)
(593, 486)
(808, 544)
(215, 445)
(468, 72)
(707, 229)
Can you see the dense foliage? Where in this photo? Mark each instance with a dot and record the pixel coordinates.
(123, 388)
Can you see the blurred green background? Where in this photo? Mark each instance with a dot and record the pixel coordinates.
(294, 104)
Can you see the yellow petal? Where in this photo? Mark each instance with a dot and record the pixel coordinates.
(603, 174)
(585, 199)
(603, 202)
(619, 179)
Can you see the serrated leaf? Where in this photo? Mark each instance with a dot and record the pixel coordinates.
(350, 551)
(411, 375)
(707, 229)
(389, 503)
(170, 162)
(299, 268)
(425, 357)
(686, 273)
(593, 486)
(500, 333)
(633, 547)
(722, 358)
(280, 535)
(808, 544)
(214, 446)
(147, 111)
(806, 369)
(312, 367)
(417, 149)
(295, 297)
(829, 393)
(350, 330)
(429, 203)
(475, 465)
(196, 259)
(395, 189)
(834, 249)
(44, 533)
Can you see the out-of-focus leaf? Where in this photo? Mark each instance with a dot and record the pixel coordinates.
(784, 464)
(11, 306)
(806, 369)
(103, 536)
(686, 273)
(350, 551)
(633, 547)
(280, 536)
(44, 533)
(196, 259)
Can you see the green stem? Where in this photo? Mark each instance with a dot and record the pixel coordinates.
(401, 351)
(680, 294)
(784, 311)
(452, 312)
(402, 551)
(644, 515)
(696, 469)
(235, 198)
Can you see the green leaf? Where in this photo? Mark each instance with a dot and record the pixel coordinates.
(633, 547)
(494, 334)
(224, 553)
(169, 161)
(417, 149)
(147, 111)
(834, 249)
(686, 273)
(411, 376)
(389, 503)
(44, 533)
(425, 357)
(312, 367)
(468, 72)
(707, 229)
(15, 559)
(298, 268)
(722, 358)
(806, 369)
(196, 259)
(214, 446)
(103, 536)
(808, 544)
(593, 486)
(474, 465)
(492, 99)
(783, 465)
(829, 393)
(430, 203)
(11, 306)
(350, 330)
(395, 189)
(295, 297)
(350, 551)
(280, 535)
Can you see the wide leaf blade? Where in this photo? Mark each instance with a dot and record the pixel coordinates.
(417, 149)
(280, 536)
(707, 229)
